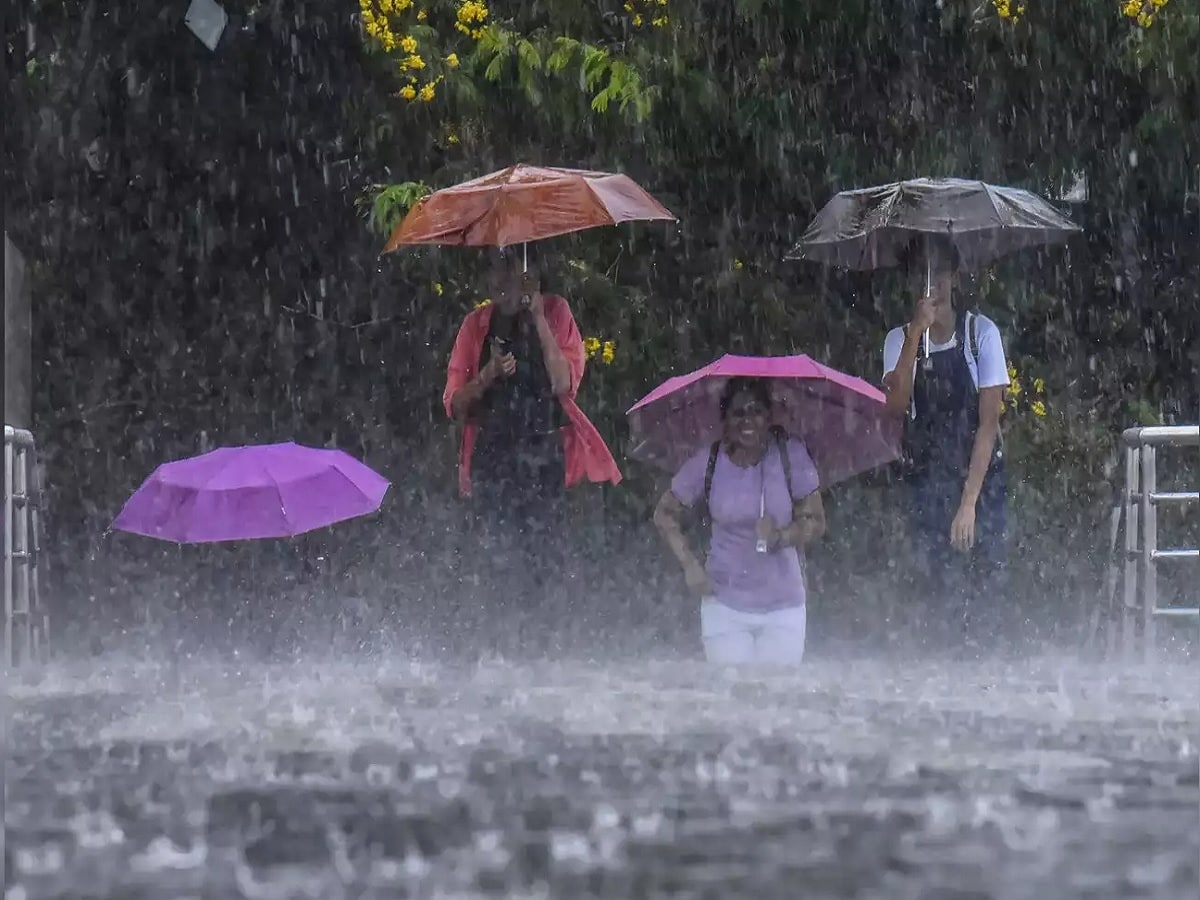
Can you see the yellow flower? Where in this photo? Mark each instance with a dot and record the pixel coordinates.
(422, 15)
(408, 92)
(471, 14)
(451, 138)
(408, 44)
(452, 60)
(437, 288)
(737, 264)
(1014, 388)
(1039, 409)
(486, 301)
(608, 353)
(426, 93)
(591, 346)
(659, 22)
(412, 61)
(1039, 386)
(637, 21)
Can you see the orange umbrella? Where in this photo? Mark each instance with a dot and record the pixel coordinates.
(524, 203)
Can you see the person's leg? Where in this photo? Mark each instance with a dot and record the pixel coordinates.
(781, 636)
(987, 591)
(932, 564)
(537, 507)
(491, 553)
(727, 634)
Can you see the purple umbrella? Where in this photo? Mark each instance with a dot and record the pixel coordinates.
(244, 493)
(840, 418)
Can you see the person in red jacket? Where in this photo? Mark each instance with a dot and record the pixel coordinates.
(514, 372)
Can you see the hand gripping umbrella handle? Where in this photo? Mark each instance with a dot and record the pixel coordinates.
(928, 288)
(760, 545)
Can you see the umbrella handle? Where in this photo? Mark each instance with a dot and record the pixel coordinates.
(928, 290)
(760, 546)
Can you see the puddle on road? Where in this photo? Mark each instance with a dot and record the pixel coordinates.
(657, 779)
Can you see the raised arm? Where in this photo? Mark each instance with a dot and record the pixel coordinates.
(562, 345)
(898, 382)
(464, 384)
(668, 516)
(808, 522)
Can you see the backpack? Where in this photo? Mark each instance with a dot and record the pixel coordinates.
(780, 437)
(971, 327)
(971, 334)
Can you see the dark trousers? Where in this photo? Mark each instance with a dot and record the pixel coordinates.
(513, 556)
(961, 595)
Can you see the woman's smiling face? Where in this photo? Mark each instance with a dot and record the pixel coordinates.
(747, 418)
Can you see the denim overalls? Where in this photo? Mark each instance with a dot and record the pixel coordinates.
(941, 437)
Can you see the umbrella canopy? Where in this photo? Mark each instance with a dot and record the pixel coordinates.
(245, 493)
(873, 228)
(524, 203)
(840, 418)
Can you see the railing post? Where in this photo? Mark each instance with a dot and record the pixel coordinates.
(9, 451)
(1149, 573)
(41, 634)
(20, 538)
(26, 625)
(1129, 602)
(1142, 553)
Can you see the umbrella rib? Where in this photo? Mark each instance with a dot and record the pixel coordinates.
(279, 493)
(992, 200)
(225, 464)
(346, 478)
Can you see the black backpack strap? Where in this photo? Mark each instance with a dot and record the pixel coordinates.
(912, 400)
(708, 473)
(785, 459)
(973, 338)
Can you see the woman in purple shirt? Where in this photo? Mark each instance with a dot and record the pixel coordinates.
(761, 489)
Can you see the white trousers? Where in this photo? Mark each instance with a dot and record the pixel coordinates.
(733, 637)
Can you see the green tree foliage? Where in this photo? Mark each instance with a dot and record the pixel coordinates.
(204, 227)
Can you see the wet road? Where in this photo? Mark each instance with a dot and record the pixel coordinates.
(853, 779)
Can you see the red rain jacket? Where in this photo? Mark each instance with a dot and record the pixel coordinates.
(584, 452)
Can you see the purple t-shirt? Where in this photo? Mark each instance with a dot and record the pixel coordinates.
(742, 578)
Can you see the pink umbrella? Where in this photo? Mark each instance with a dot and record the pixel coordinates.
(247, 493)
(840, 418)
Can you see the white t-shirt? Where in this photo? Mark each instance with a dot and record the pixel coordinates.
(989, 370)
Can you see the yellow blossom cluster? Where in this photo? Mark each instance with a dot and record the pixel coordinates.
(1015, 394)
(379, 17)
(1009, 11)
(606, 350)
(1143, 11)
(647, 12)
(471, 18)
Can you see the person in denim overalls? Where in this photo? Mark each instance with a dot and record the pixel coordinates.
(946, 373)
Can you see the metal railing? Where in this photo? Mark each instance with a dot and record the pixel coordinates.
(26, 625)
(1141, 501)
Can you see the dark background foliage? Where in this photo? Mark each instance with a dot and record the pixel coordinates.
(204, 274)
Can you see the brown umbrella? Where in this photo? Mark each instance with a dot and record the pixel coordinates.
(524, 203)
